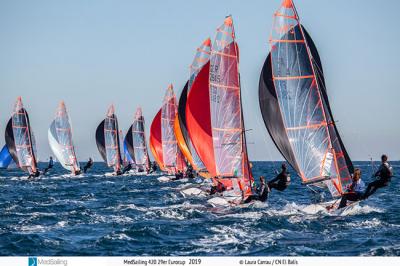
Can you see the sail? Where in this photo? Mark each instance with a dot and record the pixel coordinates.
(19, 139)
(214, 113)
(128, 145)
(181, 132)
(60, 139)
(156, 140)
(295, 105)
(5, 157)
(139, 141)
(100, 142)
(108, 140)
(128, 158)
(172, 157)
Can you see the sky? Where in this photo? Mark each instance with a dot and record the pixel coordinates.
(95, 53)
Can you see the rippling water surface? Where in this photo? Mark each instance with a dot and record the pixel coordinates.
(99, 214)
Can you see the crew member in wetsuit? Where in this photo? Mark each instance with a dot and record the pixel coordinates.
(355, 191)
(34, 174)
(384, 175)
(49, 166)
(189, 172)
(178, 175)
(127, 168)
(281, 181)
(219, 188)
(262, 192)
(153, 167)
(88, 165)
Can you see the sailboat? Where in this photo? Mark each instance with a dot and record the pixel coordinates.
(108, 141)
(295, 106)
(163, 144)
(214, 118)
(182, 135)
(60, 140)
(20, 140)
(135, 140)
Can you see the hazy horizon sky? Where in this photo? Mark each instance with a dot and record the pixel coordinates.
(95, 53)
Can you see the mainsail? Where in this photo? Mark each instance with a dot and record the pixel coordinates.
(295, 106)
(214, 114)
(60, 139)
(172, 157)
(139, 142)
(19, 139)
(181, 132)
(108, 140)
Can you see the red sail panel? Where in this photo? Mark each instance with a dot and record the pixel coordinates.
(307, 120)
(155, 140)
(198, 119)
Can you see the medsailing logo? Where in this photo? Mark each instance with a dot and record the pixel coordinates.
(32, 261)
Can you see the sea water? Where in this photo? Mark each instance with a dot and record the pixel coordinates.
(100, 214)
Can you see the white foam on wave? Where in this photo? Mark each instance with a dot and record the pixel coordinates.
(118, 236)
(225, 238)
(119, 219)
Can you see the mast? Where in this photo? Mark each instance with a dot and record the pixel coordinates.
(311, 144)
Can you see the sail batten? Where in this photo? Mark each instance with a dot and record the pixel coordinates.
(215, 117)
(292, 84)
(139, 142)
(108, 140)
(20, 140)
(60, 139)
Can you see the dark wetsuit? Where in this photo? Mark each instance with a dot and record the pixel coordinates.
(219, 188)
(153, 167)
(88, 165)
(355, 193)
(51, 164)
(261, 196)
(283, 181)
(189, 172)
(127, 168)
(35, 174)
(385, 175)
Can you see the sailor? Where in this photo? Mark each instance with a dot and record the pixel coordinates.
(127, 168)
(281, 181)
(218, 188)
(262, 192)
(77, 172)
(383, 175)
(153, 167)
(178, 175)
(34, 174)
(88, 165)
(49, 166)
(189, 172)
(355, 191)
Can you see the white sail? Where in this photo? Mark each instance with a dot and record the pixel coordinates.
(60, 140)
